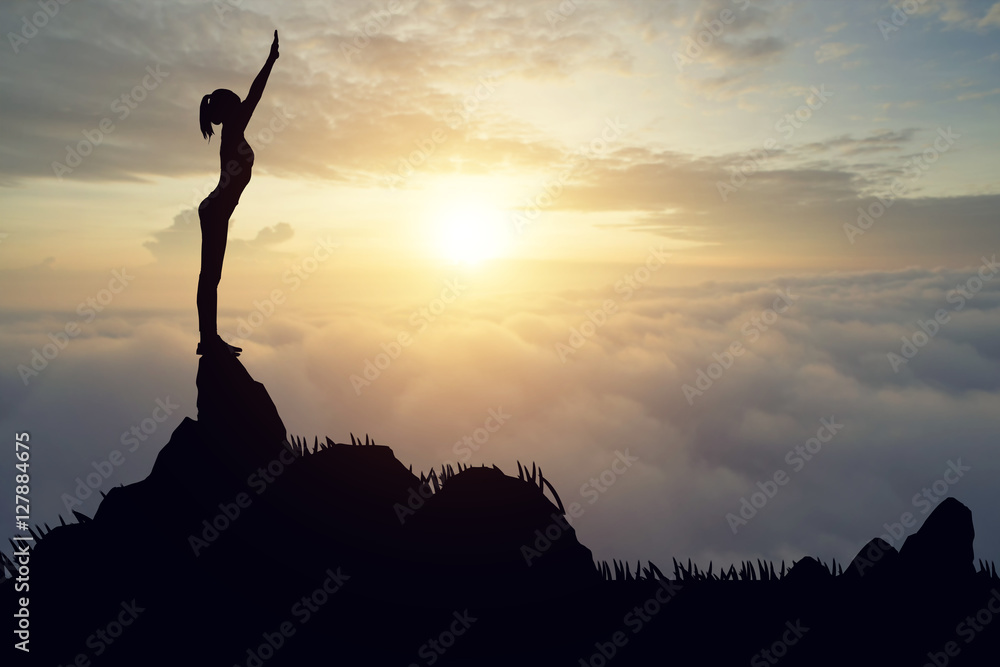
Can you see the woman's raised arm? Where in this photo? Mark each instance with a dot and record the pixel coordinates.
(257, 87)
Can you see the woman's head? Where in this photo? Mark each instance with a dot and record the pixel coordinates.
(216, 109)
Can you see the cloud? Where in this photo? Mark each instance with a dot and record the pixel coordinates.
(961, 14)
(992, 18)
(269, 236)
(726, 59)
(181, 241)
(339, 102)
(884, 140)
(978, 95)
(825, 357)
(749, 52)
(832, 51)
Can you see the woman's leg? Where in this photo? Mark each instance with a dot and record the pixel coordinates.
(214, 230)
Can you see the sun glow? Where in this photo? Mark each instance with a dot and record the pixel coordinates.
(472, 232)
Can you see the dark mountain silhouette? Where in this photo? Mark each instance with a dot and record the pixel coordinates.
(246, 547)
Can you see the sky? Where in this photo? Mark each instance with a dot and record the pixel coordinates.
(723, 269)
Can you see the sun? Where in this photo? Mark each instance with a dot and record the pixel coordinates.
(471, 232)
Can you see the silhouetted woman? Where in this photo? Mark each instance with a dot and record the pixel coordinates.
(223, 107)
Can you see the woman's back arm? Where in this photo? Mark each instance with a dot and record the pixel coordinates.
(257, 87)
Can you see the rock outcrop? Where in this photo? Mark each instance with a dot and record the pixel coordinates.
(244, 548)
(942, 547)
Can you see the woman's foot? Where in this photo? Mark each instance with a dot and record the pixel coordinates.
(215, 345)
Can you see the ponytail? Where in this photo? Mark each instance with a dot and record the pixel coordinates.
(205, 116)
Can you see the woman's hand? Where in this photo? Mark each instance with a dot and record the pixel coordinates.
(274, 47)
(257, 87)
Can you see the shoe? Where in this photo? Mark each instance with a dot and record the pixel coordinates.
(217, 346)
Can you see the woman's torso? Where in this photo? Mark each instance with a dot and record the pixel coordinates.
(236, 158)
(236, 165)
